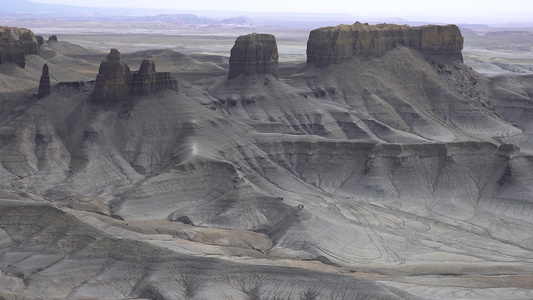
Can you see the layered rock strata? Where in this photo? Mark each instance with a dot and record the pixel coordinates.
(11, 51)
(254, 54)
(115, 82)
(147, 80)
(337, 44)
(44, 83)
(15, 43)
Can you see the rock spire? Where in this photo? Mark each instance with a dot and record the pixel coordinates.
(44, 83)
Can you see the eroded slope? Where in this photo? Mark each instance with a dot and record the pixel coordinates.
(403, 169)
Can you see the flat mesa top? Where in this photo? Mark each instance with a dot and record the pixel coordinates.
(358, 26)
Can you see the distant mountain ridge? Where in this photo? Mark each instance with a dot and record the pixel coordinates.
(225, 19)
(27, 9)
(192, 19)
(33, 9)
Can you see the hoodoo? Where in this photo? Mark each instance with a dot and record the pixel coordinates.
(337, 44)
(254, 54)
(44, 84)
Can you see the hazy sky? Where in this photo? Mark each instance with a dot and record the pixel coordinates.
(504, 10)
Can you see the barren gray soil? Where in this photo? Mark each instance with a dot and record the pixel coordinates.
(509, 51)
(379, 178)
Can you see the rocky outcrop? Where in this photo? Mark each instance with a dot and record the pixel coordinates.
(11, 51)
(254, 54)
(337, 44)
(147, 80)
(52, 38)
(44, 83)
(115, 82)
(15, 43)
(165, 81)
(441, 40)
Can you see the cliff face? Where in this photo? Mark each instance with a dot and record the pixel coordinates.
(254, 54)
(115, 82)
(15, 43)
(11, 51)
(337, 44)
(441, 39)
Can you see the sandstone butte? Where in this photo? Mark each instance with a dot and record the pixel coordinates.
(254, 53)
(15, 43)
(115, 82)
(337, 44)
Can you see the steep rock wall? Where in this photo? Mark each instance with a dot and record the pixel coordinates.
(15, 43)
(337, 44)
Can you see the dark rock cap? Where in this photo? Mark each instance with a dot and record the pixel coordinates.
(254, 54)
(337, 44)
(53, 38)
(114, 55)
(46, 71)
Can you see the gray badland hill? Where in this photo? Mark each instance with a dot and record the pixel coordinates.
(383, 168)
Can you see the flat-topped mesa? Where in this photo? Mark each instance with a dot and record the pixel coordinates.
(115, 82)
(147, 80)
(254, 54)
(15, 43)
(44, 83)
(337, 44)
